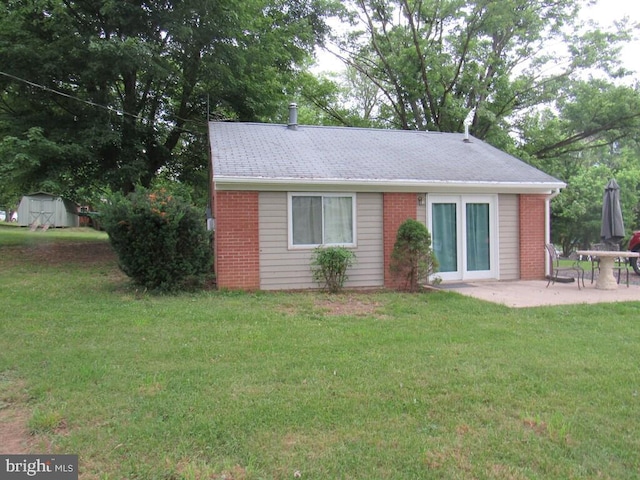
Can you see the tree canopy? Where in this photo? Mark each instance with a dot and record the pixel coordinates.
(108, 93)
(437, 61)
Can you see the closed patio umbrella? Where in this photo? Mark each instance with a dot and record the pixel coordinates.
(612, 229)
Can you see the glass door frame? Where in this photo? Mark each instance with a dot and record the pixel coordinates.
(461, 201)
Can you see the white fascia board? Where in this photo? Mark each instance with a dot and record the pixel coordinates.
(410, 186)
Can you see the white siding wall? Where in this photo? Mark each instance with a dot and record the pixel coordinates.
(508, 227)
(281, 268)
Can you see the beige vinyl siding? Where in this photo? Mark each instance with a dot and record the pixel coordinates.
(508, 227)
(281, 268)
(421, 211)
(369, 268)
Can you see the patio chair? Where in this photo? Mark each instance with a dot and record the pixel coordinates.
(556, 269)
(621, 263)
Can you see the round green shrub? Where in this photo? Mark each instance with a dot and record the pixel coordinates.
(160, 239)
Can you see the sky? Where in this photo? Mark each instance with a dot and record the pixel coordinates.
(605, 12)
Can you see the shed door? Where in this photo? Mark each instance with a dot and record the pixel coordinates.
(463, 230)
(41, 211)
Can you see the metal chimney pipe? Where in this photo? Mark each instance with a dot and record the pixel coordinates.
(293, 116)
(468, 121)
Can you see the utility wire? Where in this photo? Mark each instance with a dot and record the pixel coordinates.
(88, 102)
(57, 92)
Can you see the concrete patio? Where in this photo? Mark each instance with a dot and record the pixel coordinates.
(534, 293)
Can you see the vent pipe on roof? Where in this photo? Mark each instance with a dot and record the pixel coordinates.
(293, 117)
(466, 133)
(467, 123)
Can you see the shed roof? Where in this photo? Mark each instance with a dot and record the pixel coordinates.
(270, 156)
(42, 194)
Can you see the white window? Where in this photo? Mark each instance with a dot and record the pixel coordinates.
(321, 219)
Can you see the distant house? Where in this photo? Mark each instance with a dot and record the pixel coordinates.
(279, 191)
(42, 209)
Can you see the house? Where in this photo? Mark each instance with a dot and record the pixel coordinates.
(278, 191)
(43, 209)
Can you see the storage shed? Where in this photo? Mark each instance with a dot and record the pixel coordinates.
(45, 209)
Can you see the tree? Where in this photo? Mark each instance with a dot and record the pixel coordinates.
(435, 61)
(577, 211)
(592, 114)
(348, 99)
(124, 88)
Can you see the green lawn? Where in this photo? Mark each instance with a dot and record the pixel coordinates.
(277, 385)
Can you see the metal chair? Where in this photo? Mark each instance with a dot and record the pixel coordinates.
(556, 269)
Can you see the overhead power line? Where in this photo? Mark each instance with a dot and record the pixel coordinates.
(63, 94)
(88, 102)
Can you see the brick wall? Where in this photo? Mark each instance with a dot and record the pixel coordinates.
(237, 259)
(397, 207)
(532, 237)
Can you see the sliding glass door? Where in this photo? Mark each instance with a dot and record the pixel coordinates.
(444, 231)
(463, 235)
(478, 237)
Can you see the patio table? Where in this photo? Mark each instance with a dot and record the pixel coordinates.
(606, 280)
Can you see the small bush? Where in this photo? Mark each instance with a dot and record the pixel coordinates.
(161, 241)
(329, 267)
(412, 259)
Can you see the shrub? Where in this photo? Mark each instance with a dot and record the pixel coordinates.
(329, 267)
(161, 241)
(412, 259)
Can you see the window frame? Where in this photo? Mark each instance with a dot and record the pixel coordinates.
(461, 201)
(322, 195)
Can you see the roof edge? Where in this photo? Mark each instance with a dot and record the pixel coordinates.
(363, 185)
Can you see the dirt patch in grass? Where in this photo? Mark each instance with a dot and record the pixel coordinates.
(14, 415)
(60, 253)
(349, 304)
(14, 436)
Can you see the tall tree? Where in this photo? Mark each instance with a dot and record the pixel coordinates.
(577, 212)
(122, 88)
(592, 114)
(328, 99)
(591, 135)
(437, 60)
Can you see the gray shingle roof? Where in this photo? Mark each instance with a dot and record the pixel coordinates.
(262, 152)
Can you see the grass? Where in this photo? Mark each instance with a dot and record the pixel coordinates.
(11, 234)
(279, 385)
